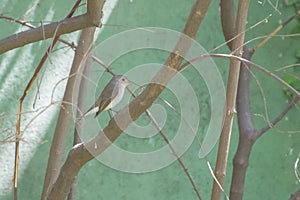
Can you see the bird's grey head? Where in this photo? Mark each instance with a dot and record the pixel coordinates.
(122, 80)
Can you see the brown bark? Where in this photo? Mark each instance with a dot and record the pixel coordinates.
(223, 149)
(86, 151)
(65, 116)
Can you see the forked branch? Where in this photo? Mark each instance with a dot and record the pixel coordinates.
(82, 153)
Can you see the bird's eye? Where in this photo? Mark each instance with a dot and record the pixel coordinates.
(123, 79)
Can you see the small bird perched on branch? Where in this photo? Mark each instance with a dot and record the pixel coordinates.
(111, 95)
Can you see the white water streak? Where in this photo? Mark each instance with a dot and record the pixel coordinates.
(34, 134)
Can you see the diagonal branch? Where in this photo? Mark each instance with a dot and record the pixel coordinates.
(279, 117)
(163, 135)
(281, 26)
(23, 23)
(248, 63)
(182, 165)
(84, 152)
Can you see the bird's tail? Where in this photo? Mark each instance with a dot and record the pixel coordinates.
(90, 111)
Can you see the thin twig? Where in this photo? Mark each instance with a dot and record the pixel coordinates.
(156, 125)
(226, 26)
(84, 152)
(18, 124)
(248, 62)
(23, 23)
(154, 122)
(279, 117)
(262, 93)
(281, 26)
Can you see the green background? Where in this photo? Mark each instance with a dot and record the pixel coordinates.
(270, 174)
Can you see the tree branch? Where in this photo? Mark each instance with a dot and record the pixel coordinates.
(27, 24)
(248, 63)
(246, 131)
(281, 26)
(82, 153)
(68, 25)
(223, 149)
(94, 10)
(65, 115)
(163, 135)
(228, 21)
(279, 117)
(248, 134)
(88, 34)
(44, 32)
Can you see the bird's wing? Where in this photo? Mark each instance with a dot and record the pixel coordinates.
(92, 110)
(105, 101)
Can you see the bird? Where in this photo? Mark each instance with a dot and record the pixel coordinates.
(111, 95)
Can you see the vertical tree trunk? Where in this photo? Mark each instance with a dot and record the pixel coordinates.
(231, 93)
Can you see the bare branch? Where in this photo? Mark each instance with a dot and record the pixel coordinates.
(279, 117)
(65, 115)
(94, 10)
(246, 131)
(29, 25)
(44, 32)
(82, 153)
(23, 23)
(248, 134)
(233, 78)
(154, 122)
(248, 63)
(18, 124)
(187, 173)
(281, 26)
